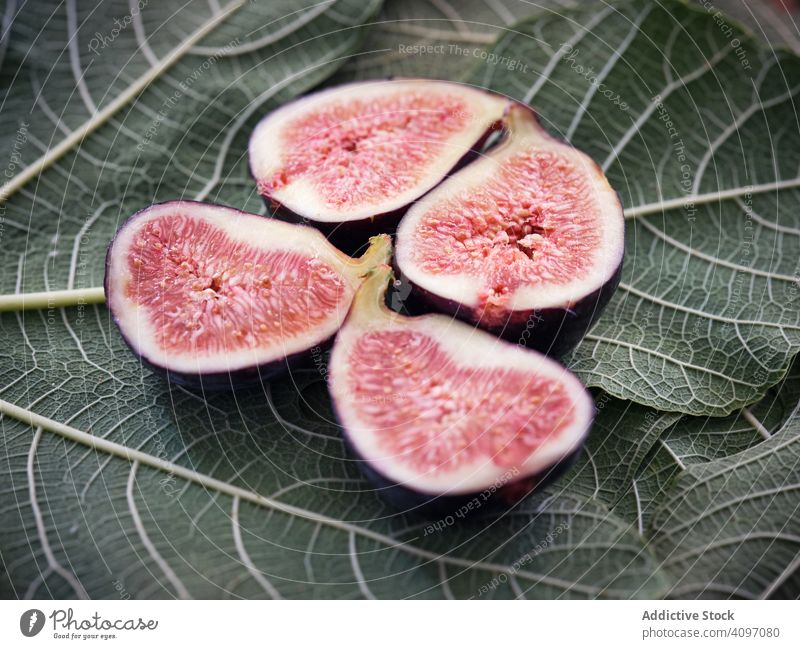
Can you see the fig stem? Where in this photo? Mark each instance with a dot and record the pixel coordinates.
(378, 254)
(521, 120)
(370, 300)
(52, 299)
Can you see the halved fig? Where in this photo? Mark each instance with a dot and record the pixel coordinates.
(526, 242)
(215, 297)
(438, 412)
(350, 160)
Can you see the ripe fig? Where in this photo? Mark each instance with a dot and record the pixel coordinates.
(351, 159)
(215, 297)
(526, 242)
(440, 413)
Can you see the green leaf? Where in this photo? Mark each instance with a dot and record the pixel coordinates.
(119, 485)
(162, 111)
(622, 440)
(442, 40)
(124, 486)
(400, 42)
(704, 153)
(699, 440)
(713, 497)
(253, 494)
(729, 527)
(174, 494)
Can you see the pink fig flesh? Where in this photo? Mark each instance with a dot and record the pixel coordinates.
(528, 238)
(204, 291)
(438, 408)
(362, 151)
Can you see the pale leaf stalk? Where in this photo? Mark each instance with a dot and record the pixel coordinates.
(35, 420)
(101, 117)
(52, 299)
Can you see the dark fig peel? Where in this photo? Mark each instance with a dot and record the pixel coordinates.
(440, 413)
(217, 298)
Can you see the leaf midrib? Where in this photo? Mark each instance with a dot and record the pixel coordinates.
(73, 297)
(37, 421)
(123, 99)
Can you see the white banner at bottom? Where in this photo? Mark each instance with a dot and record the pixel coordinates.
(387, 624)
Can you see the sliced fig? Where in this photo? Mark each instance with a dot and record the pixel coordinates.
(350, 160)
(217, 297)
(439, 412)
(526, 242)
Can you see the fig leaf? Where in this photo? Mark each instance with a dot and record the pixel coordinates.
(119, 485)
(695, 126)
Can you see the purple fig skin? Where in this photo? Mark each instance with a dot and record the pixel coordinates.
(349, 236)
(415, 503)
(229, 381)
(213, 381)
(552, 331)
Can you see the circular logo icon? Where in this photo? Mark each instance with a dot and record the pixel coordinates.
(31, 622)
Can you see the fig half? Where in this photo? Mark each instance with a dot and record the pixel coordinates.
(350, 160)
(439, 413)
(526, 242)
(215, 297)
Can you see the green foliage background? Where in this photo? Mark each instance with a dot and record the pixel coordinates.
(689, 484)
